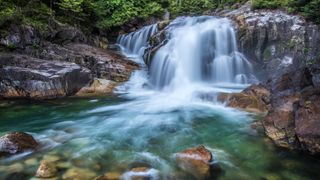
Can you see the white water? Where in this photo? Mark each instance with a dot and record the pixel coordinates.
(135, 43)
(200, 57)
(200, 50)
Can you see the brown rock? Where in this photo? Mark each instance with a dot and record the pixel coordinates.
(280, 122)
(253, 99)
(16, 142)
(196, 161)
(46, 169)
(109, 176)
(78, 174)
(308, 125)
(98, 87)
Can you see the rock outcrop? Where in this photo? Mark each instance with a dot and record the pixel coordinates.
(16, 142)
(56, 63)
(26, 77)
(286, 46)
(255, 98)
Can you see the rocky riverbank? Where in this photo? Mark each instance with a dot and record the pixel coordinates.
(60, 63)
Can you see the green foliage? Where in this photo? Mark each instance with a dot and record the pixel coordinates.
(105, 14)
(32, 12)
(7, 11)
(117, 12)
(269, 4)
(11, 47)
(183, 7)
(308, 8)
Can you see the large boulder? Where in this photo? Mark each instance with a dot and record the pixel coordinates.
(198, 162)
(103, 63)
(307, 121)
(293, 119)
(26, 77)
(255, 98)
(16, 142)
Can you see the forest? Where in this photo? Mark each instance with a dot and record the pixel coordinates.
(106, 14)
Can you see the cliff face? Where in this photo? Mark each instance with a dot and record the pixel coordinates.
(287, 48)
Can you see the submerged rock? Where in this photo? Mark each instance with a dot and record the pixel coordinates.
(78, 174)
(198, 162)
(109, 176)
(46, 169)
(16, 142)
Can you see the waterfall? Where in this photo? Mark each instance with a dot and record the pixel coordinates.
(135, 43)
(199, 50)
(200, 54)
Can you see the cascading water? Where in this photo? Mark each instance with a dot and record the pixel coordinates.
(200, 49)
(135, 43)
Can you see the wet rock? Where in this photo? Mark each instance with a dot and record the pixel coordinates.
(46, 170)
(293, 119)
(16, 167)
(109, 176)
(198, 162)
(31, 162)
(98, 87)
(51, 158)
(307, 124)
(64, 165)
(31, 78)
(16, 142)
(78, 174)
(255, 98)
(279, 123)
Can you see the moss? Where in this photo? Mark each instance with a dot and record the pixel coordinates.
(267, 54)
(11, 47)
(306, 51)
(35, 46)
(307, 104)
